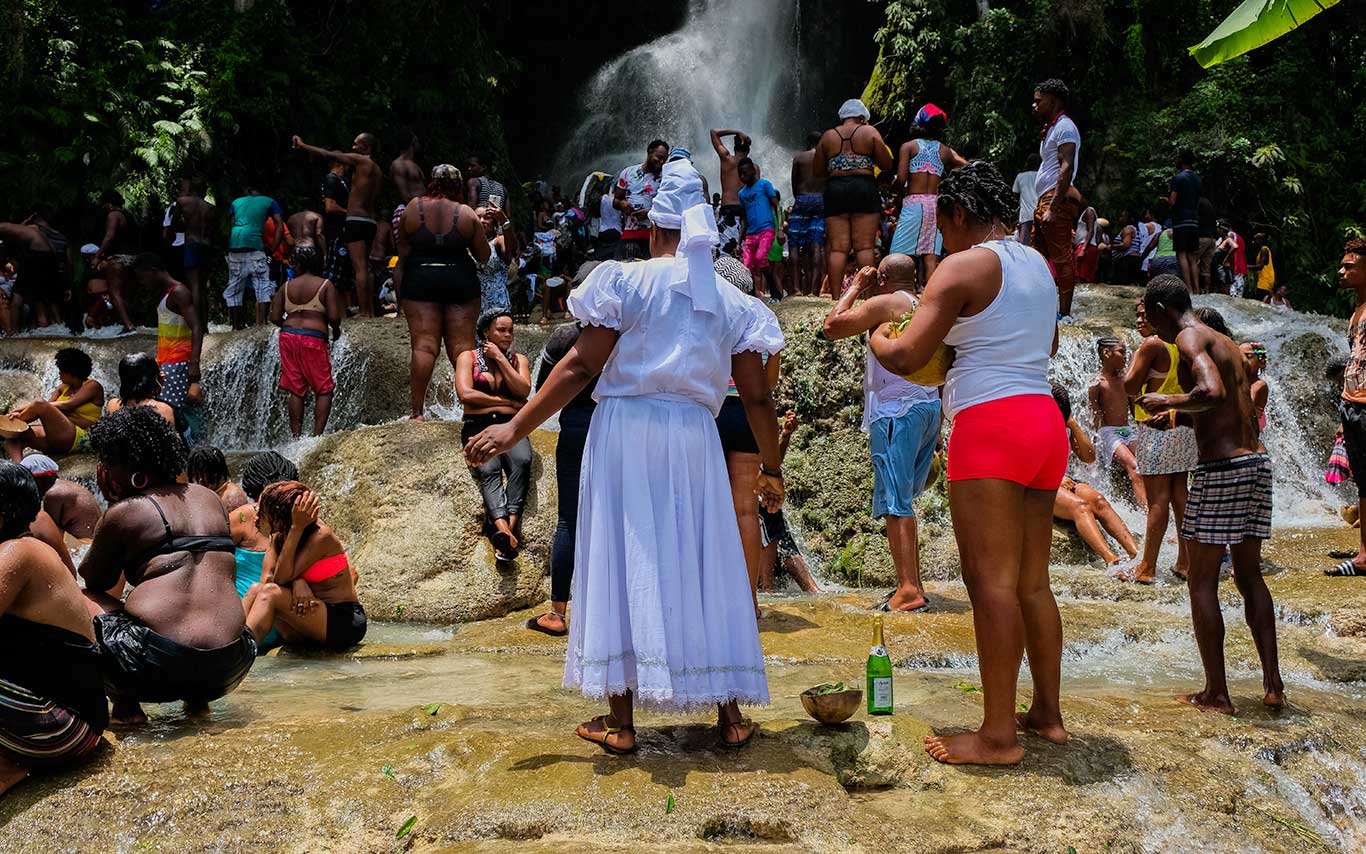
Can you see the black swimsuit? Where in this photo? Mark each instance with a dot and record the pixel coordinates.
(439, 267)
(144, 666)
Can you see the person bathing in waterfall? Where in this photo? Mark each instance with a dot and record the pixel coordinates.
(52, 702)
(180, 335)
(63, 420)
(493, 383)
(308, 589)
(1080, 503)
(178, 636)
(1110, 414)
(1229, 507)
(250, 545)
(1352, 402)
(662, 616)
(902, 419)
(207, 467)
(1254, 353)
(305, 309)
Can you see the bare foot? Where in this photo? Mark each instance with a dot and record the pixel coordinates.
(11, 775)
(1049, 730)
(969, 748)
(1206, 703)
(737, 734)
(1275, 697)
(906, 601)
(125, 713)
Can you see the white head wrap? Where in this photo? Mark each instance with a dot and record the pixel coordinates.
(680, 205)
(852, 108)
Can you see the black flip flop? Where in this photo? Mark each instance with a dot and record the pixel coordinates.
(535, 625)
(886, 608)
(502, 546)
(1345, 569)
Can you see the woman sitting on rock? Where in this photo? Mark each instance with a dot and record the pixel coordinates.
(180, 634)
(209, 468)
(1080, 503)
(61, 424)
(493, 383)
(308, 590)
(52, 704)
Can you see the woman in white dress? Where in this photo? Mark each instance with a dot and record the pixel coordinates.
(664, 616)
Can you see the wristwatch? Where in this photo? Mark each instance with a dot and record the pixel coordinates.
(765, 472)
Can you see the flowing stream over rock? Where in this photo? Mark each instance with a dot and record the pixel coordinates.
(731, 65)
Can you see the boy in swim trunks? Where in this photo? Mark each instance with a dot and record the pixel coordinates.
(1230, 493)
(1110, 414)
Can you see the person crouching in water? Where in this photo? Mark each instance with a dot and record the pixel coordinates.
(493, 383)
(52, 703)
(179, 635)
(251, 545)
(304, 309)
(209, 468)
(664, 615)
(307, 589)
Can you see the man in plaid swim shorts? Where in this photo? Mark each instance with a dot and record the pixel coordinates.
(1230, 494)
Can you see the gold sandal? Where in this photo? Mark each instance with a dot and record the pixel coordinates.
(600, 739)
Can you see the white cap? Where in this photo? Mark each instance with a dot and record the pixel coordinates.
(90, 249)
(40, 464)
(853, 108)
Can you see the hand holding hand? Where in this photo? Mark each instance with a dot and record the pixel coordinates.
(490, 442)
(770, 491)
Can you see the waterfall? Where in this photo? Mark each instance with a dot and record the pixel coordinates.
(1297, 435)
(731, 65)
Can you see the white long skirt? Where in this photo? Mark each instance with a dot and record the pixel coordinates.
(661, 595)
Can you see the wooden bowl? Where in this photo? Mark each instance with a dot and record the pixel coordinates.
(832, 708)
(11, 428)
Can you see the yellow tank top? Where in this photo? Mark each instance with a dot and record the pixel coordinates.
(88, 410)
(1170, 384)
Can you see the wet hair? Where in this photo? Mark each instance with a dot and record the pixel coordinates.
(979, 190)
(139, 377)
(76, 362)
(813, 138)
(19, 500)
(741, 144)
(486, 319)
(656, 143)
(207, 466)
(138, 438)
(148, 261)
(1213, 319)
(1355, 246)
(306, 259)
(745, 161)
(1168, 290)
(1055, 87)
(264, 469)
(112, 197)
(1063, 398)
(276, 504)
(1105, 342)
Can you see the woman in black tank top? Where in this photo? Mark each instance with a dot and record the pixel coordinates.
(439, 242)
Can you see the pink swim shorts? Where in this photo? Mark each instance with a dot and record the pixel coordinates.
(756, 248)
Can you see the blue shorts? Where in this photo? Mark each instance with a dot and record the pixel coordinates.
(902, 450)
(806, 223)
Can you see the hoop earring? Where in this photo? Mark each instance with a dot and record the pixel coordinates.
(134, 480)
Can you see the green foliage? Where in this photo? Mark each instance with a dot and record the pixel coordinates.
(1275, 132)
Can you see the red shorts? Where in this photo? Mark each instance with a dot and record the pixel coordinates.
(1021, 439)
(305, 364)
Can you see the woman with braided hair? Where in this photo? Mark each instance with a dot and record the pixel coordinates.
(994, 302)
(180, 635)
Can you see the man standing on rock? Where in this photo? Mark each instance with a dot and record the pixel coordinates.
(359, 231)
(198, 219)
(635, 192)
(1185, 202)
(732, 213)
(1056, 213)
(1352, 404)
(901, 419)
(806, 224)
(1229, 507)
(407, 177)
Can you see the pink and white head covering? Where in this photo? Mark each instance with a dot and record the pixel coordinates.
(930, 115)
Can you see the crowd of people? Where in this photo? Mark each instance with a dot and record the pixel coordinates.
(959, 297)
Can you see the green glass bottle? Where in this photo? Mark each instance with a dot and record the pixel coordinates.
(879, 675)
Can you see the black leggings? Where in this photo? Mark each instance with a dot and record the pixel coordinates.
(500, 502)
(574, 420)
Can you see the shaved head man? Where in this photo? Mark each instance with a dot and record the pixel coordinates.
(359, 231)
(902, 419)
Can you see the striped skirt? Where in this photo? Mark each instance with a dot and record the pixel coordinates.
(34, 731)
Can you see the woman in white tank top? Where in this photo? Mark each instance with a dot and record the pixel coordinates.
(994, 301)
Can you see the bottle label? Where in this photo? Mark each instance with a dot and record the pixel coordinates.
(882, 692)
(878, 652)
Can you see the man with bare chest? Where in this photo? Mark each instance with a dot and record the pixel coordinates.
(1110, 414)
(359, 231)
(307, 228)
(1229, 507)
(806, 223)
(732, 213)
(408, 179)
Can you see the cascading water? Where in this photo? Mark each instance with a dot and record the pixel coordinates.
(730, 66)
(1302, 498)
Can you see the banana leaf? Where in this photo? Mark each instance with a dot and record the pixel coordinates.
(1252, 25)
